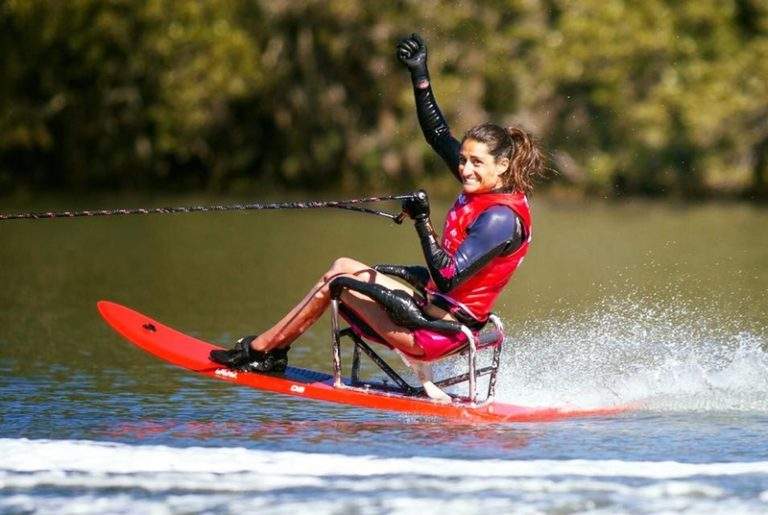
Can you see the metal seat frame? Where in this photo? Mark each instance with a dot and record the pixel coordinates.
(487, 340)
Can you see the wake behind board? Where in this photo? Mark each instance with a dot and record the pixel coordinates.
(188, 352)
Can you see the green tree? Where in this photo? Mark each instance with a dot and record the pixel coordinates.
(659, 97)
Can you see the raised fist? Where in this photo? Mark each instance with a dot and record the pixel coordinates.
(412, 52)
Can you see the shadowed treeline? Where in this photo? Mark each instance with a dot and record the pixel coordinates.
(656, 97)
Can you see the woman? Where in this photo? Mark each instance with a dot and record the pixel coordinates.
(485, 237)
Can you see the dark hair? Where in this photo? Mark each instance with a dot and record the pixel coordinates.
(526, 161)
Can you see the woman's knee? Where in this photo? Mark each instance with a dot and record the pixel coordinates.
(344, 265)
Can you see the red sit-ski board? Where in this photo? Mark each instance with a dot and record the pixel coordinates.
(190, 353)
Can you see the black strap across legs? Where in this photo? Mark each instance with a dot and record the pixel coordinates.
(416, 276)
(401, 307)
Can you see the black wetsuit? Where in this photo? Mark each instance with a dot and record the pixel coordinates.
(497, 231)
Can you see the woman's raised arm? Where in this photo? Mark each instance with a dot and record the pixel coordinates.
(412, 52)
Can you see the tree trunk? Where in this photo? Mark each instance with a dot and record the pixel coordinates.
(760, 171)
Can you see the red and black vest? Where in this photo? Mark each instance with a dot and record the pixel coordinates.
(477, 294)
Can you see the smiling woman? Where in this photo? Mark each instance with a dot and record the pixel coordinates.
(478, 169)
(485, 238)
(495, 159)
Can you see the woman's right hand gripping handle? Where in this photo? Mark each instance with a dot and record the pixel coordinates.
(412, 52)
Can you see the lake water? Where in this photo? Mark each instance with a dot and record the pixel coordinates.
(656, 305)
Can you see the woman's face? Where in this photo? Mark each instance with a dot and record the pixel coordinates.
(478, 170)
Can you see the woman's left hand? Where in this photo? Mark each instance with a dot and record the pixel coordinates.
(417, 206)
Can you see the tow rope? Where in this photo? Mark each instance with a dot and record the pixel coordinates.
(349, 205)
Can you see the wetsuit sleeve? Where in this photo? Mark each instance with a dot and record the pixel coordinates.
(434, 126)
(497, 231)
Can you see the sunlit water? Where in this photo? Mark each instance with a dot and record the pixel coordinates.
(659, 307)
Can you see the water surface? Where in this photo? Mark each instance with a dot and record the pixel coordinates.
(661, 306)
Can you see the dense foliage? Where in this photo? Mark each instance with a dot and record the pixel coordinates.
(647, 97)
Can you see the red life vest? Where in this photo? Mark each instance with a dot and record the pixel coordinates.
(477, 294)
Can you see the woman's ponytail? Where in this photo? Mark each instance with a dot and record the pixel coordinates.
(527, 162)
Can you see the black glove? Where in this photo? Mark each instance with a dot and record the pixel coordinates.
(412, 52)
(417, 206)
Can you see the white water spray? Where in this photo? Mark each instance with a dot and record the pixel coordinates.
(657, 356)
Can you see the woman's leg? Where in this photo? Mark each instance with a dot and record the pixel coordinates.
(306, 313)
